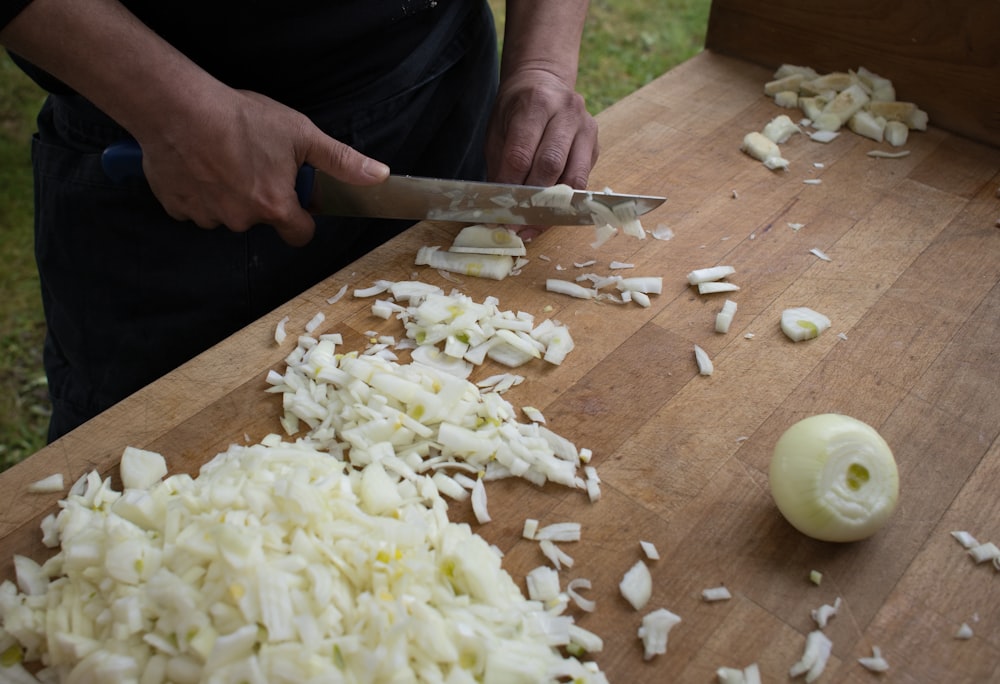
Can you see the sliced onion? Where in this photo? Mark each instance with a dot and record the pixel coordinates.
(573, 587)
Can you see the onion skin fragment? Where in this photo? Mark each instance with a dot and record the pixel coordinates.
(834, 478)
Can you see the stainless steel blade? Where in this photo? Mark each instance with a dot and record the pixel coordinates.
(412, 197)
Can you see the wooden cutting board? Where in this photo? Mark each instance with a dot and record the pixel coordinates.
(912, 287)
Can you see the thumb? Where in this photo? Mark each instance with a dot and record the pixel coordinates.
(345, 163)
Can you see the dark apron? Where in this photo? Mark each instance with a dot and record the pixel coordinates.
(130, 294)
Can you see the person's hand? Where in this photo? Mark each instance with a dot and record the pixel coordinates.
(237, 165)
(540, 134)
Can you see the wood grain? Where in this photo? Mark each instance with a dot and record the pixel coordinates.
(945, 56)
(913, 290)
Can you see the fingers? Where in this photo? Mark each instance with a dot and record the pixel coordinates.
(541, 134)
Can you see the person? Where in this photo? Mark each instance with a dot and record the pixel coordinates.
(227, 100)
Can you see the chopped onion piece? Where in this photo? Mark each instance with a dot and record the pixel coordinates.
(882, 154)
(373, 291)
(802, 323)
(47, 485)
(561, 532)
(315, 322)
(533, 414)
(724, 319)
(530, 528)
(568, 288)
(663, 232)
(758, 146)
(965, 539)
(582, 603)
(731, 675)
(279, 330)
(816, 577)
(587, 640)
(338, 296)
(817, 652)
(823, 614)
(655, 630)
(824, 136)
(876, 663)
(543, 584)
(780, 129)
(602, 233)
(479, 502)
(820, 254)
(649, 549)
(141, 469)
(435, 358)
(716, 287)
(716, 594)
(492, 266)
(705, 275)
(705, 365)
(813, 181)
(618, 265)
(964, 632)
(556, 556)
(645, 285)
(480, 239)
(984, 552)
(637, 585)
(558, 196)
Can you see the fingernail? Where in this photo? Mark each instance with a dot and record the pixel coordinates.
(375, 169)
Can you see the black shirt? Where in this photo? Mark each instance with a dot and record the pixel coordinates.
(301, 52)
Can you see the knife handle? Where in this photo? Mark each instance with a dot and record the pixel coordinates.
(122, 161)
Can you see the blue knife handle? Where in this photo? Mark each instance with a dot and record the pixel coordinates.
(122, 161)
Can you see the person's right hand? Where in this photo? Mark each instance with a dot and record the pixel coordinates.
(235, 166)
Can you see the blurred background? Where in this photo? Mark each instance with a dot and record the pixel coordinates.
(626, 44)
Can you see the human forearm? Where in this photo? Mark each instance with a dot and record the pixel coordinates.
(541, 132)
(101, 50)
(211, 154)
(543, 34)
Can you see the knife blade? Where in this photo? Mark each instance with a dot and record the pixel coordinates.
(417, 198)
(438, 199)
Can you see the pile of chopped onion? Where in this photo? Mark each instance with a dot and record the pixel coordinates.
(468, 332)
(277, 563)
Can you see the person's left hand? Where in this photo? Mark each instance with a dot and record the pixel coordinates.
(540, 134)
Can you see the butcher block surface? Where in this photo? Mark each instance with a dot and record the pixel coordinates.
(912, 288)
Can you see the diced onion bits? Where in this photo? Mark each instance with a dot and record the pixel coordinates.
(834, 478)
(279, 563)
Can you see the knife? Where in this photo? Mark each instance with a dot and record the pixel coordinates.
(417, 198)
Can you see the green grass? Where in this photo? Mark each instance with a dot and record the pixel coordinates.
(23, 398)
(626, 44)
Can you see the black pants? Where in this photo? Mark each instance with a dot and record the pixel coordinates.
(130, 294)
